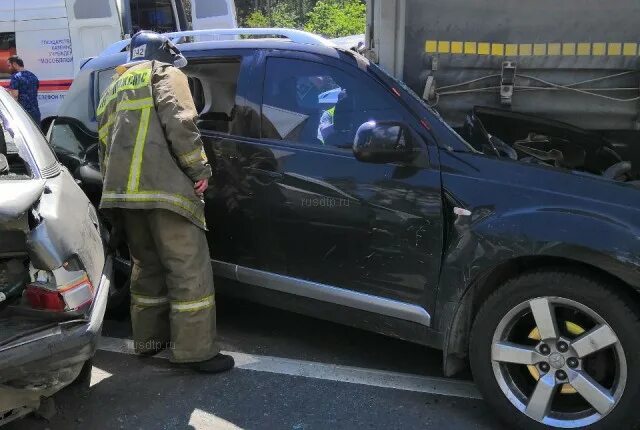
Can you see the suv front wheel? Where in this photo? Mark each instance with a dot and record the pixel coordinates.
(552, 349)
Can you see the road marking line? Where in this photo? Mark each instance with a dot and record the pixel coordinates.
(205, 420)
(327, 372)
(98, 375)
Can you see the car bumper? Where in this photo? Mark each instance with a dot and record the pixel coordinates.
(44, 356)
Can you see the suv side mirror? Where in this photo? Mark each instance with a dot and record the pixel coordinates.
(383, 142)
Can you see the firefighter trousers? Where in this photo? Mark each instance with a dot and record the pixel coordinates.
(172, 294)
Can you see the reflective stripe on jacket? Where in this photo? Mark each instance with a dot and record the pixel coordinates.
(151, 153)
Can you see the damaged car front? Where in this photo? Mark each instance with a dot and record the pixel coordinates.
(54, 269)
(536, 140)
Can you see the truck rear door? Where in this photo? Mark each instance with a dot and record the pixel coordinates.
(213, 14)
(42, 40)
(157, 15)
(93, 25)
(7, 36)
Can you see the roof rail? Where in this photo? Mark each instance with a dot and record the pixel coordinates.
(296, 36)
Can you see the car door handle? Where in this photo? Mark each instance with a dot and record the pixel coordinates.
(276, 176)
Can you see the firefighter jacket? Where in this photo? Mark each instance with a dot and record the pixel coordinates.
(151, 153)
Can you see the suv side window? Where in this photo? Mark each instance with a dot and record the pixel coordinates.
(214, 87)
(317, 104)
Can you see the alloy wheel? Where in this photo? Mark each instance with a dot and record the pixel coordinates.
(558, 362)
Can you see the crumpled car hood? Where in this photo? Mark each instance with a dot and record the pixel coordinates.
(17, 197)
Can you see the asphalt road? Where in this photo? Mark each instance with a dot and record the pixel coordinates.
(293, 372)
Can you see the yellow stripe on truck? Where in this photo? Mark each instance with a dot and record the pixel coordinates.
(539, 49)
(525, 50)
(630, 49)
(615, 49)
(456, 47)
(584, 49)
(599, 49)
(470, 47)
(554, 48)
(511, 49)
(567, 49)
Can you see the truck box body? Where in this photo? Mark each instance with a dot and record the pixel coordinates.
(576, 61)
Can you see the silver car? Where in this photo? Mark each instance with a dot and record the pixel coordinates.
(54, 269)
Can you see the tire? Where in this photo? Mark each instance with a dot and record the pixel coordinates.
(119, 290)
(580, 305)
(119, 294)
(119, 301)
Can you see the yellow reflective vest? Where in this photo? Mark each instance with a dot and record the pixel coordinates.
(151, 153)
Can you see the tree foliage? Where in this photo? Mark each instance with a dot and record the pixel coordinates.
(256, 19)
(283, 15)
(187, 9)
(337, 18)
(330, 18)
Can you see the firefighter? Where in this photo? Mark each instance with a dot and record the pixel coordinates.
(155, 173)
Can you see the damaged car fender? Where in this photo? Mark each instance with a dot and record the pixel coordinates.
(590, 222)
(17, 197)
(52, 243)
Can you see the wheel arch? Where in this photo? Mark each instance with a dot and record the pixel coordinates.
(456, 339)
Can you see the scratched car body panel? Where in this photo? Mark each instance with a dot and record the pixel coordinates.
(54, 271)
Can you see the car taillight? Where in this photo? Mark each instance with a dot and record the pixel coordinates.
(78, 294)
(44, 299)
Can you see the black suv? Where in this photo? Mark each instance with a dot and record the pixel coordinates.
(339, 194)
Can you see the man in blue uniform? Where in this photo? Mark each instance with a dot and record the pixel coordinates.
(24, 87)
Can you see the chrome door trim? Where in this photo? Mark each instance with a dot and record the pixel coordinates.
(225, 270)
(323, 292)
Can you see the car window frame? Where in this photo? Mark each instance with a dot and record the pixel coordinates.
(250, 72)
(95, 89)
(228, 58)
(80, 125)
(351, 69)
(34, 149)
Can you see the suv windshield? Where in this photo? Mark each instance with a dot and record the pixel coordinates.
(23, 148)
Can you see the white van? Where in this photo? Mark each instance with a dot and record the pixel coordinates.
(56, 37)
(208, 14)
